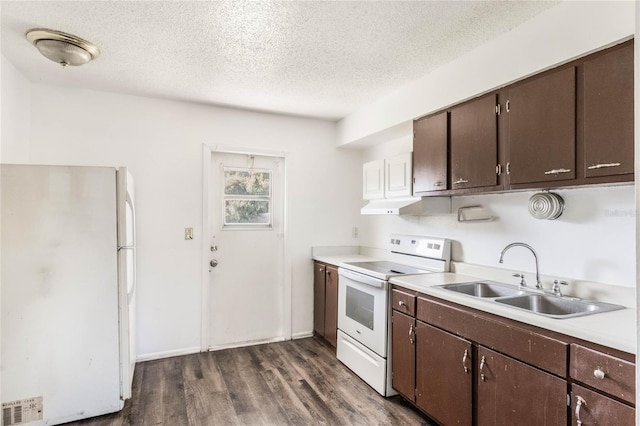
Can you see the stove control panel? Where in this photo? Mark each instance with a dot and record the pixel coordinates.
(433, 247)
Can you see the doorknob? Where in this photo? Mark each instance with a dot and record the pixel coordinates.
(213, 263)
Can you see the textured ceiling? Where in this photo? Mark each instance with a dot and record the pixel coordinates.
(309, 58)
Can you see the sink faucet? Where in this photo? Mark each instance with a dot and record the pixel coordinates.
(535, 255)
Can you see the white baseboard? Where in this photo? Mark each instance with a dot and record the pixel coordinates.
(301, 335)
(167, 354)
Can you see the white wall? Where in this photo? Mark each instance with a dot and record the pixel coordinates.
(14, 134)
(558, 34)
(161, 141)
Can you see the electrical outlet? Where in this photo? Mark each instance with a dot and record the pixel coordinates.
(188, 233)
(354, 232)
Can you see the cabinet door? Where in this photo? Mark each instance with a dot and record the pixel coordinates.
(318, 298)
(541, 113)
(608, 113)
(373, 180)
(430, 153)
(444, 381)
(474, 144)
(403, 354)
(594, 409)
(398, 176)
(331, 306)
(511, 392)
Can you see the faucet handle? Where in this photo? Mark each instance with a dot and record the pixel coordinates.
(523, 283)
(556, 287)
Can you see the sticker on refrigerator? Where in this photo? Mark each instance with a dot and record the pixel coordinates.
(21, 411)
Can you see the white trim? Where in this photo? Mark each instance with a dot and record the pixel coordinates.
(167, 354)
(207, 151)
(247, 343)
(301, 335)
(246, 151)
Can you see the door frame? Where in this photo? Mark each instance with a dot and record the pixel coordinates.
(207, 152)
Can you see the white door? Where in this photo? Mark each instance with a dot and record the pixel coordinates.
(246, 234)
(126, 279)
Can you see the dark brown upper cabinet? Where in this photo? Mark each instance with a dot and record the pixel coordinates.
(542, 122)
(430, 154)
(474, 144)
(608, 113)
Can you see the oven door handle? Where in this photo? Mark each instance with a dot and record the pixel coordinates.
(361, 278)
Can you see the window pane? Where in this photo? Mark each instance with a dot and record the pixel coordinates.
(247, 211)
(246, 182)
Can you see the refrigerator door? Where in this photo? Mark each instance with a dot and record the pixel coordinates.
(59, 294)
(126, 279)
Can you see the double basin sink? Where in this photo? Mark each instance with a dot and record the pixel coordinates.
(534, 301)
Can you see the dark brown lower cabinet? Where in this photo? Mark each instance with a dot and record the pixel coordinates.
(594, 409)
(331, 306)
(511, 392)
(403, 355)
(325, 302)
(444, 379)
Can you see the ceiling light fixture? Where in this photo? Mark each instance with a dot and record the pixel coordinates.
(65, 49)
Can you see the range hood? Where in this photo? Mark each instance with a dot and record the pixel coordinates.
(408, 206)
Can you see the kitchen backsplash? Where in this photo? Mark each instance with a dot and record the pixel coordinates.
(593, 240)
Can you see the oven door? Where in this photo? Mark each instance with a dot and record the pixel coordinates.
(362, 309)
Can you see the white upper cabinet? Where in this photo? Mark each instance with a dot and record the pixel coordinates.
(389, 178)
(373, 180)
(398, 176)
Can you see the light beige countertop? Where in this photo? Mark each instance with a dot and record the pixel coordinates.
(341, 258)
(616, 329)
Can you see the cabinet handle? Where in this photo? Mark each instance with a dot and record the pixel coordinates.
(482, 363)
(556, 171)
(411, 334)
(401, 303)
(499, 169)
(598, 373)
(506, 105)
(439, 183)
(464, 361)
(508, 168)
(603, 165)
(579, 401)
(459, 181)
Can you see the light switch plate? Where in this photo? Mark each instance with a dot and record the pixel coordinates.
(188, 233)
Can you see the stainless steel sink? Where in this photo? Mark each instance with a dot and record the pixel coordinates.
(485, 289)
(557, 307)
(534, 301)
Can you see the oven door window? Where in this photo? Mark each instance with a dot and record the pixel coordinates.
(360, 307)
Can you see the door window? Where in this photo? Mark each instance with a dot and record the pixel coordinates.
(247, 197)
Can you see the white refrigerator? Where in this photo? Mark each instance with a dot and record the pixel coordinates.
(67, 292)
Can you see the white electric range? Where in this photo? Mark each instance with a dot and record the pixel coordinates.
(364, 311)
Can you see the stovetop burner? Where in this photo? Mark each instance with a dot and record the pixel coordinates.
(386, 268)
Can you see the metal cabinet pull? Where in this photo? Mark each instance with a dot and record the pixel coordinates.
(459, 181)
(507, 106)
(598, 373)
(464, 361)
(401, 303)
(498, 169)
(557, 171)
(603, 165)
(439, 183)
(411, 332)
(508, 168)
(482, 364)
(579, 402)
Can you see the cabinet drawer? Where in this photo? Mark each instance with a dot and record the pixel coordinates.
(607, 373)
(403, 302)
(533, 348)
(599, 410)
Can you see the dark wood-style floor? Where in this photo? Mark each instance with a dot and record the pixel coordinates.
(297, 382)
